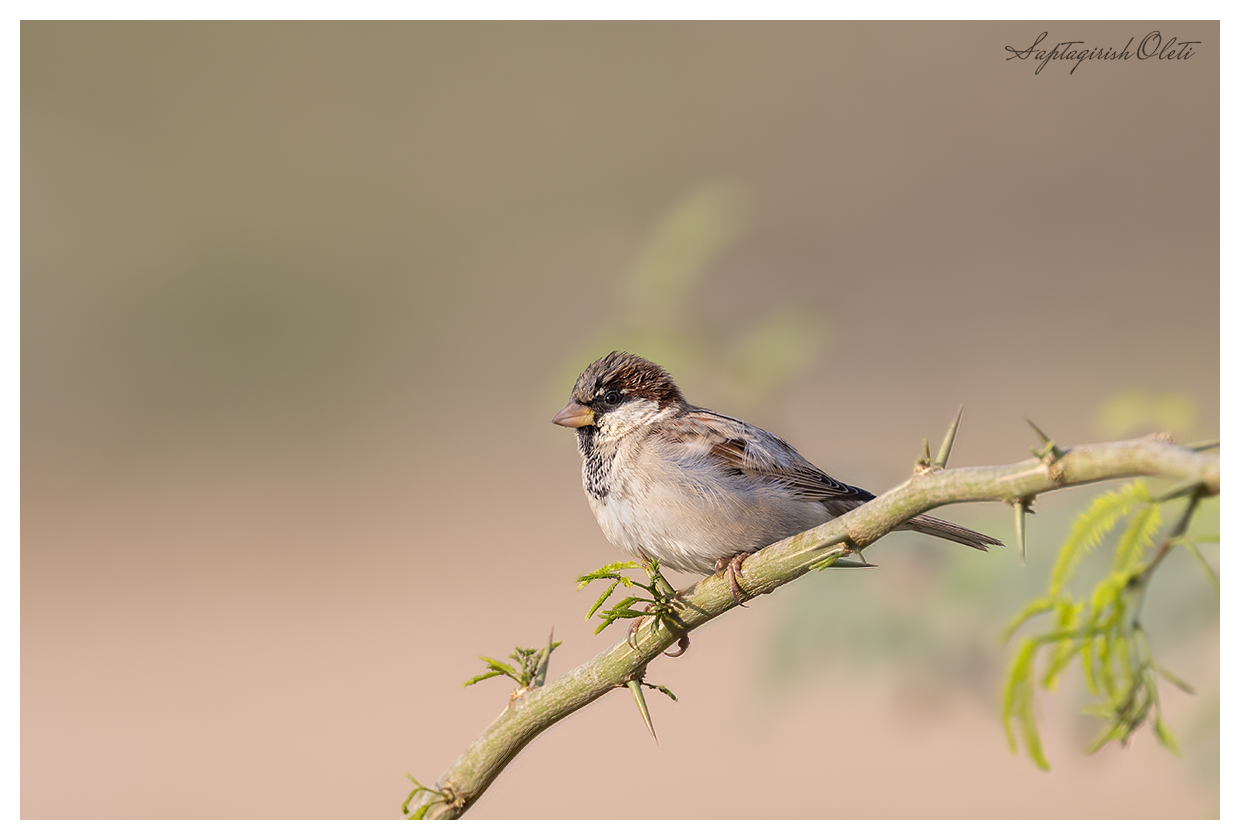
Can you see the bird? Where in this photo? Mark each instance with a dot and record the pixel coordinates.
(696, 490)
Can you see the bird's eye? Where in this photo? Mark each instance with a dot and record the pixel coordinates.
(612, 398)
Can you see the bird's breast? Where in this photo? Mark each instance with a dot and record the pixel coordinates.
(688, 514)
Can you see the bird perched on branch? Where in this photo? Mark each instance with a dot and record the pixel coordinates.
(696, 490)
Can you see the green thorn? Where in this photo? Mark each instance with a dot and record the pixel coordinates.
(842, 548)
(924, 460)
(1020, 528)
(829, 559)
(946, 449)
(661, 583)
(635, 686)
(1202, 446)
(1049, 449)
(540, 675)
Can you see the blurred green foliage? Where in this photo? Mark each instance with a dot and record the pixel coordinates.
(1105, 630)
(660, 312)
(1136, 411)
(932, 619)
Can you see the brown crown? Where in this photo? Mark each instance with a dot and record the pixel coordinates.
(629, 374)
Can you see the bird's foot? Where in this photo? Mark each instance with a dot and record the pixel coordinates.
(733, 566)
(662, 611)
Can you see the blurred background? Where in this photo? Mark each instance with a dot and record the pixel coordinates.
(300, 299)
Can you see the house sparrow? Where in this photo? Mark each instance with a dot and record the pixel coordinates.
(696, 490)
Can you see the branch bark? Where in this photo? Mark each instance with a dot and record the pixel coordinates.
(776, 565)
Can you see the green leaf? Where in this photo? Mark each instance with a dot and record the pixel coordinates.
(500, 666)
(418, 787)
(1099, 710)
(1106, 603)
(1018, 704)
(1104, 630)
(665, 690)
(1094, 662)
(1164, 736)
(1123, 656)
(1065, 652)
(1112, 733)
(602, 598)
(1205, 565)
(625, 603)
(1173, 679)
(610, 570)
(482, 677)
(1137, 537)
(1092, 527)
(1038, 607)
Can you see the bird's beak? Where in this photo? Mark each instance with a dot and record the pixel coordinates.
(574, 415)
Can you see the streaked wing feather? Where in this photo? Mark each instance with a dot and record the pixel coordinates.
(759, 453)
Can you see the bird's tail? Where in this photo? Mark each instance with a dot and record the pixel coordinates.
(950, 531)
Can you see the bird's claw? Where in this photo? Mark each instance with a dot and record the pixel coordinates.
(682, 641)
(733, 566)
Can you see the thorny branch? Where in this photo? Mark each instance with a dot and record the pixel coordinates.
(829, 544)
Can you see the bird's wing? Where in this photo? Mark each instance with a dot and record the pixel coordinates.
(756, 452)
